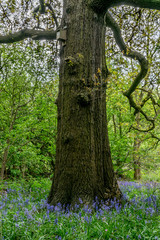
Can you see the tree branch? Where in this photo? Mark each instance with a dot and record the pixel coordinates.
(42, 9)
(42, 6)
(28, 33)
(53, 14)
(111, 23)
(101, 6)
(151, 4)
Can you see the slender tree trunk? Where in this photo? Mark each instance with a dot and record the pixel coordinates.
(114, 125)
(119, 162)
(136, 157)
(6, 150)
(83, 167)
(136, 160)
(4, 160)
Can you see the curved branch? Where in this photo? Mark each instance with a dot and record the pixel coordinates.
(42, 9)
(28, 33)
(111, 23)
(101, 6)
(151, 4)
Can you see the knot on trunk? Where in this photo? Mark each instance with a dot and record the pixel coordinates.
(67, 138)
(99, 6)
(73, 63)
(84, 98)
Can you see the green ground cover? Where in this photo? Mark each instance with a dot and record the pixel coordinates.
(25, 214)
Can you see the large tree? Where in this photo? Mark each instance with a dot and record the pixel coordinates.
(83, 166)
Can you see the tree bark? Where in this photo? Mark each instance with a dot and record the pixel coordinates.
(136, 157)
(83, 167)
(4, 160)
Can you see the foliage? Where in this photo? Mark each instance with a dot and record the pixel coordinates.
(139, 30)
(28, 113)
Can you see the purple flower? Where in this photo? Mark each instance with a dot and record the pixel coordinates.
(17, 225)
(56, 221)
(50, 207)
(34, 209)
(26, 202)
(57, 208)
(80, 200)
(86, 219)
(48, 215)
(28, 214)
(76, 206)
(39, 223)
(15, 217)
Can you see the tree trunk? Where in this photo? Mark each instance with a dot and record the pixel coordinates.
(136, 159)
(4, 160)
(83, 167)
(137, 144)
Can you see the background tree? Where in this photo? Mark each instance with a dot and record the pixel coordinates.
(26, 117)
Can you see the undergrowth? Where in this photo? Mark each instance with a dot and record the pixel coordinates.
(25, 214)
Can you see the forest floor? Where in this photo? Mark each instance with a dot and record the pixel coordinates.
(25, 214)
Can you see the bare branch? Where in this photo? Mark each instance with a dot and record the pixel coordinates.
(36, 10)
(42, 6)
(42, 9)
(144, 101)
(110, 22)
(28, 33)
(53, 14)
(101, 6)
(153, 136)
(151, 4)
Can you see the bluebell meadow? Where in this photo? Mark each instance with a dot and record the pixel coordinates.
(25, 214)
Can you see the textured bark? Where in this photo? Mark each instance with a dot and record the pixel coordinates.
(136, 160)
(136, 157)
(6, 150)
(4, 161)
(83, 167)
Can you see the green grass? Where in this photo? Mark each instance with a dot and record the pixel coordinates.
(26, 215)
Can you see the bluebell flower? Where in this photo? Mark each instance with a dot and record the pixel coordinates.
(17, 225)
(48, 215)
(34, 209)
(15, 217)
(80, 200)
(86, 219)
(56, 221)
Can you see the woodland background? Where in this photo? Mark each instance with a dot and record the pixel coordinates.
(28, 92)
